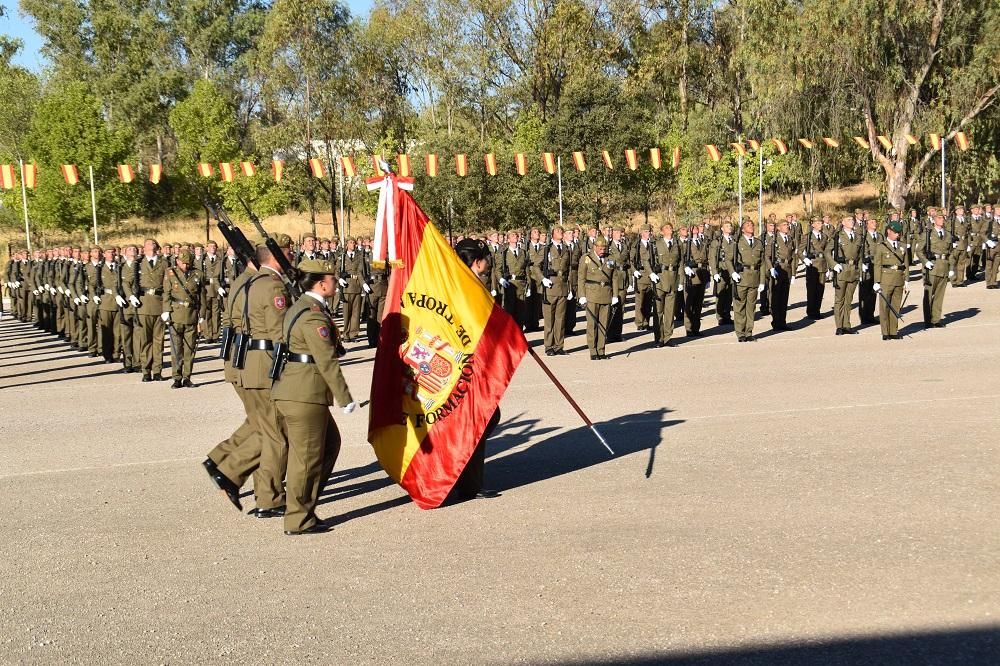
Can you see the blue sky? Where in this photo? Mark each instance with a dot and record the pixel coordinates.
(13, 24)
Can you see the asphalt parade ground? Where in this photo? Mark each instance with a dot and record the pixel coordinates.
(804, 498)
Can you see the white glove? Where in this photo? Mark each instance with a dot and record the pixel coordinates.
(951, 274)
(737, 277)
(760, 288)
(365, 288)
(793, 280)
(838, 268)
(493, 293)
(773, 272)
(654, 278)
(35, 292)
(527, 292)
(547, 283)
(84, 299)
(570, 295)
(583, 300)
(614, 300)
(52, 291)
(201, 320)
(77, 300)
(807, 261)
(969, 249)
(222, 292)
(503, 283)
(134, 301)
(716, 277)
(47, 286)
(17, 284)
(637, 274)
(97, 300)
(630, 289)
(688, 271)
(907, 246)
(680, 287)
(954, 245)
(864, 267)
(929, 265)
(165, 316)
(876, 287)
(350, 407)
(906, 287)
(120, 301)
(61, 289)
(342, 282)
(828, 275)
(991, 244)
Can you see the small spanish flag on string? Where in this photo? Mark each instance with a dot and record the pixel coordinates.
(549, 162)
(248, 168)
(911, 139)
(754, 143)
(70, 174)
(935, 141)
(125, 173)
(884, 140)
(462, 165)
(962, 140)
(316, 166)
(155, 173)
(205, 170)
(278, 169)
(403, 161)
(713, 152)
(831, 142)
(676, 159)
(606, 156)
(654, 158)
(521, 164)
(862, 142)
(7, 176)
(579, 161)
(781, 146)
(432, 165)
(226, 172)
(30, 175)
(376, 167)
(347, 164)
(740, 149)
(490, 160)
(807, 144)
(631, 159)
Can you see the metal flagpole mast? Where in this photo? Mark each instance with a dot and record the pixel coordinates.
(93, 203)
(343, 220)
(943, 172)
(740, 186)
(559, 179)
(760, 191)
(24, 202)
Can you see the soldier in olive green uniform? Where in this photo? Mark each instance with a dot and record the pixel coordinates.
(552, 271)
(148, 278)
(599, 282)
(991, 247)
(378, 277)
(214, 292)
(92, 280)
(513, 279)
(129, 318)
(667, 262)
(977, 235)
(107, 307)
(891, 272)
(961, 249)
(781, 257)
(698, 278)
(182, 287)
(747, 269)
(310, 383)
(866, 295)
(816, 269)
(937, 252)
(618, 252)
(642, 267)
(843, 254)
(720, 257)
(351, 278)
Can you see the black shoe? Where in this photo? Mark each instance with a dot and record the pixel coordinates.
(549, 352)
(850, 331)
(593, 357)
(840, 331)
(487, 494)
(94, 354)
(276, 512)
(750, 338)
(885, 337)
(229, 488)
(741, 338)
(146, 378)
(780, 327)
(559, 352)
(940, 324)
(694, 334)
(603, 357)
(176, 384)
(213, 471)
(319, 528)
(765, 313)
(896, 337)
(187, 383)
(158, 377)
(125, 371)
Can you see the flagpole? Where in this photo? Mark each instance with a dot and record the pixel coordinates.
(343, 220)
(760, 191)
(569, 399)
(559, 178)
(943, 172)
(24, 202)
(739, 159)
(93, 203)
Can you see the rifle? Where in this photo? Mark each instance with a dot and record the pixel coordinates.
(288, 271)
(864, 253)
(243, 248)
(546, 272)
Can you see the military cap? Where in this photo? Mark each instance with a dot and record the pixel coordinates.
(600, 240)
(97, 248)
(305, 236)
(646, 227)
(557, 228)
(317, 267)
(896, 226)
(284, 241)
(186, 256)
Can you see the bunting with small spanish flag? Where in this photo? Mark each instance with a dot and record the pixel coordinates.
(861, 141)
(155, 173)
(403, 162)
(831, 142)
(316, 167)
(521, 164)
(446, 354)
(347, 163)
(654, 158)
(884, 140)
(606, 156)
(962, 140)
(277, 170)
(377, 167)
(910, 139)
(740, 149)
(549, 162)
(462, 165)
(780, 146)
(70, 174)
(935, 141)
(713, 152)
(226, 171)
(125, 173)
(491, 163)
(205, 170)
(631, 159)
(432, 165)
(29, 173)
(754, 144)
(675, 161)
(807, 144)
(7, 176)
(248, 168)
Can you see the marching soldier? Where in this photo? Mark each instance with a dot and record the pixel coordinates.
(866, 293)
(816, 269)
(129, 314)
(843, 253)
(310, 383)
(720, 256)
(961, 249)
(182, 286)
(107, 306)
(148, 300)
(599, 282)
(92, 300)
(379, 278)
(352, 270)
(781, 258)
(642, 263)
(214, 292)
(747, 269)
(765, 296)
(977, 236)
(991, 251)
(891, 272)
(938, 253)
(551, 272)
(618, 252)
(667, 263)
(513, 280)
(576, 255)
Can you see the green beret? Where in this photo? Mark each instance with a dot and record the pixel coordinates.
(186, 256)
(317, 267)
(896, 226)
(600, 241)
(284, 241)
(646, 227)
(313, 236)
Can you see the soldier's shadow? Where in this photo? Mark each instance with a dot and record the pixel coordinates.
(509, 466)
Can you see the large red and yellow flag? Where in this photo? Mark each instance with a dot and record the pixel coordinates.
(446, 353)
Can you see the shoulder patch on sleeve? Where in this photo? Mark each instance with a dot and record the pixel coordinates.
(279, 302)
(324, 332)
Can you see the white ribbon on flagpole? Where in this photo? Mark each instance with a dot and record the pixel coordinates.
(385, 217)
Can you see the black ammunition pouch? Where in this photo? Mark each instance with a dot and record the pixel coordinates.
(279, 360)
(241, 344)
(226, 346)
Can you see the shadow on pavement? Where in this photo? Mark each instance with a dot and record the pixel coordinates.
(969, 646)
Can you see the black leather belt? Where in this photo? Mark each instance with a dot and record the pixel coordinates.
(301, 358)
(894, 267)
(668, 269)
(261, 345)
(108, 291)
(597, 282)
(184, 303)
(153, 292)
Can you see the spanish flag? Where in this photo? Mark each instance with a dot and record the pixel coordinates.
(204, 169)
(521, 163)
(713, 152)
(278, 169)
(403, 161)
(316, 167)
(249, 169)
(71, 174)
(29, 173)
(7, 176)
(126, 173)
(654, 158)
(446, 353)
(226, 169)
(549, 162)
(632, 159)
(491, 163)
(432, 165)
(155, 173)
